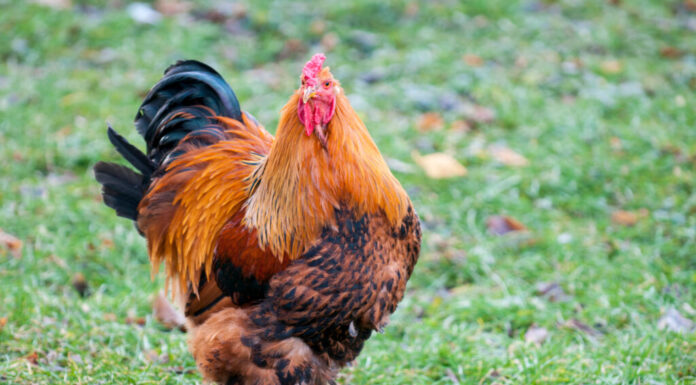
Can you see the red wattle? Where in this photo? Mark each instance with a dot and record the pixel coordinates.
(304, 112)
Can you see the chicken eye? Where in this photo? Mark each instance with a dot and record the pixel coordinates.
(327, 84)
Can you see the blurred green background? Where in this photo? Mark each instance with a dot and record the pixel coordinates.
(566, 254)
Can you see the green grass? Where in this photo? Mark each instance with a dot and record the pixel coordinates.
(598, 139)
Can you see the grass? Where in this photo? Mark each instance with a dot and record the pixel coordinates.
(597, 96)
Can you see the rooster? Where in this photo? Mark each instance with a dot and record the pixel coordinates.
(286, 253)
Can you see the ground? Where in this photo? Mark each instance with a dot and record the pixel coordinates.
(574, 118)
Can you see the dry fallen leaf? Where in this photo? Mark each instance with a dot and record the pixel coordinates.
(140, 321)
(479, 114)
(107, 243)
(615, 143)
(152, 356)
(552, 291)
(508, 157)
(329, 41)
(411, 9)
(673, 321)
(430, 121)
(33, 358)
(578, 325)
(472, 60)
(501, 224)
(611, 67)
(55, 4)
(3, 322)
(12, 243)
(317, 27)
(79, 283)
(536, 334)
(292, 48)
(628, 218)
(460, 126)
(173, 7)
(166, 314)
(179, 370)
(670, 52)
(439, 165)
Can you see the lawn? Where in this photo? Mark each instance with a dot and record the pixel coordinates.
(574, 119)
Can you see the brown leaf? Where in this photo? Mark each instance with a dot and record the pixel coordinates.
(173, 7)
(292, 48)
(628, 218)
(536, 335)
(480, 114)
(672, 320)
(439, 165)
(55, 4)
(611, 67)
(521, 62)
(460, 126)
(552, 291)
(578, 325)
(107, 243)
(111, 317)
(329, 41)
(11, 243)
(166, 314)
(179, 370)
(430, 121)
(79, 283)
(33, 358)
(3, 322)
(317, 27)
(615, 143)
(58, 261)
(568, 99)
(152, 356)
(411, 9)
(472, 60)
(131, 320)
(508, 157)
(670, 52)
(501, 224)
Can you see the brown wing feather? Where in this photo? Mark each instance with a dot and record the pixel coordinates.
(345, 286)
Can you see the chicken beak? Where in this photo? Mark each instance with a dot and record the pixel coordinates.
(309, 93)
(320, 131)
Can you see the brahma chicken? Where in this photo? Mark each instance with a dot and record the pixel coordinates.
(286, 253)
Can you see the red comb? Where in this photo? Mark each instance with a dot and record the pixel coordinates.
(313, 67)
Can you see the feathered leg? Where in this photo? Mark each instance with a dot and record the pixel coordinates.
(229, 348)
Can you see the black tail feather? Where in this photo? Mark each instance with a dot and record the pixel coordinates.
(181, 105)
(122, 188)
(186, 85)
(134, 156)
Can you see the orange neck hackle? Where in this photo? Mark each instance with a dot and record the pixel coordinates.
(301, 185)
